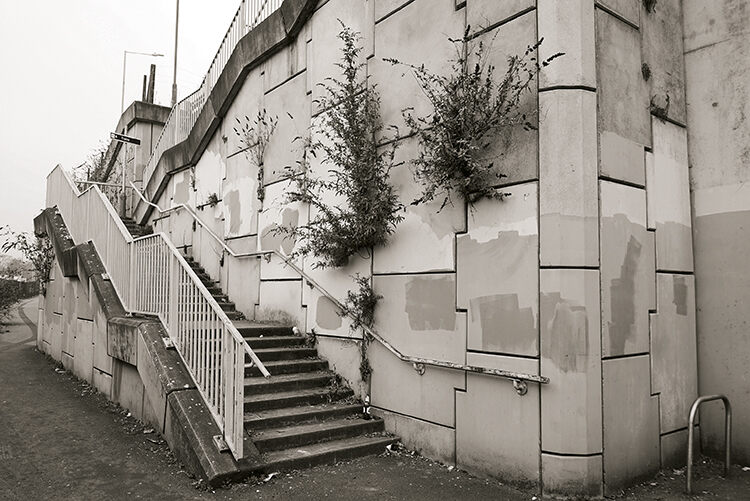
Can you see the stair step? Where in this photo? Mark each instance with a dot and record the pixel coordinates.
(234, 315)
(326, 452)
(288, 366)
(227, 305)
(278, 400)
(274, 439)
(291, 353)
(254, 329)
(288, 415)
(285, 382)
(274, 341)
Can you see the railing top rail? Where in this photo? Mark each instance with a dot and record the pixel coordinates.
(417, 361)
(112, 212)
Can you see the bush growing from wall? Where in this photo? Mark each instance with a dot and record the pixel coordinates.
(254, 136)
(359, 169)
(470, 107)
(37, 250)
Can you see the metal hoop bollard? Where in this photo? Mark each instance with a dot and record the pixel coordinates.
(727, 435)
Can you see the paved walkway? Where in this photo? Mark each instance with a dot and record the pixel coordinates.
(61, 440)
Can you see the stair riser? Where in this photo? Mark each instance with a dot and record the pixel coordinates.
(258, 343)
(269, 387)
(357, 428)
(273, 356)
(277, 421)
(253, 332)
(303, 461)
(306, 366)
(280, 403)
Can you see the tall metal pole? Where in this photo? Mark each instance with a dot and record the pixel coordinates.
(124, 62)
(174, 72)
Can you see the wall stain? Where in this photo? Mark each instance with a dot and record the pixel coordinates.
(327, 314)
(622, 294)
(679, 290)
(234, 207)
(431, 303)
(566, 335)
(505, 326)
(272, 240)
(181, 191)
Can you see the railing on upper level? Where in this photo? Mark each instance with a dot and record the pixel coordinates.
(151, 277)
(184, 114)
(519, 379)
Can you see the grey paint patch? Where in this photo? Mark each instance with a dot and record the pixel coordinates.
(505, 325)
(327, 314)
(567, 336)
(234, 207)
(680, 291)
(622, 292)
(181, 195)
(431, 303)
(270, 239)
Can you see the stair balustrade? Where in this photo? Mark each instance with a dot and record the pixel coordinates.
(151, 277)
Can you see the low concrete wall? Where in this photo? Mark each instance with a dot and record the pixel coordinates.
(83, 325)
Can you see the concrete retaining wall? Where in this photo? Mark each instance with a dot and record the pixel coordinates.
(717, 63)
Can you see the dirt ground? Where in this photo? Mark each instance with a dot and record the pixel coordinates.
(61, 440)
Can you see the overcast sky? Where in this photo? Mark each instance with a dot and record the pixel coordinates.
(61, 79)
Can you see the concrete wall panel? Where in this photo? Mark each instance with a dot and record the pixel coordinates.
(290, 104)
(481, 14)
(629, 10)
(417, 315)
(568, 187)
(497, 431)
(281, 301)
(397, 387)
(497, 264)
(571, 475)
(673, 350)
(428, 439)
(567, 26)
(668, 196)
(276, 214)
(626, 272)
(624, 122)
(631, 422)
(239, 197)
(571, 358)
(424, 240)
(84, 350)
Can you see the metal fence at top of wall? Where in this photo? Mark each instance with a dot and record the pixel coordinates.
(184, 114)
(150, 276)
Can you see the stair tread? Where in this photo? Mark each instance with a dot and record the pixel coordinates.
(277, 395)
(291, 361)
(284, 378)
(301, 410)
(284, 349)
(327, 448)
(305, 428)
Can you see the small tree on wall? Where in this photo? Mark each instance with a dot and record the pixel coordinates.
(254, 136)
(359, 169)
(470, 107)
(37, 250)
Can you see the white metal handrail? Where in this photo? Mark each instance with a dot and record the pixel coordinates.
(184, 114)
(519, 378)
(151, 277)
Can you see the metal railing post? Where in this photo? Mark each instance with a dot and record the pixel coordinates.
(691, 438)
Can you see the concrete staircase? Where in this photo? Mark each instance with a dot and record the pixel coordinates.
(135, 229)
(302, 415)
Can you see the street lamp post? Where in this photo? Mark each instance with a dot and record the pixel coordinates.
(174, 71)
(124, 66)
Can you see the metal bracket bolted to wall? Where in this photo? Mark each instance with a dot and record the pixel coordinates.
(520, 386)
(220, 443)
(419, 367)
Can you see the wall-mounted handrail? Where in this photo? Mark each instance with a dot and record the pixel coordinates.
(519, 378)
(727, 436)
